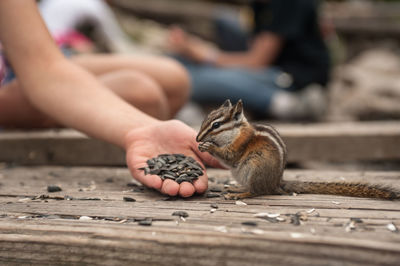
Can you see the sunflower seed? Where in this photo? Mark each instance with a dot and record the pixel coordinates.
(214, 205)
(146, 170)
(295, 219)
(129, 199)
(180, 180)
(180, 214)
(173, 177)
(146, 222)
(176, 167)
(249, 223)
(53, 188)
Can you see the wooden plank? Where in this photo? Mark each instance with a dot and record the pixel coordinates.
(48, 231)
(321, 142)
(342, 141)
(65, 147)
(166, 247)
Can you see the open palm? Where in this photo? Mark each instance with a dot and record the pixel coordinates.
(165, 137)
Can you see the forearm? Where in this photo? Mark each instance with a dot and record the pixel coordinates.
(57, 87)
(76, 99)
(262, 53)
(232, 59)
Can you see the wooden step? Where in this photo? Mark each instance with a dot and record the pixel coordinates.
(368, 141)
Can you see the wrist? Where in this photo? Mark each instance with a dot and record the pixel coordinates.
(211, 56)
(135, 133)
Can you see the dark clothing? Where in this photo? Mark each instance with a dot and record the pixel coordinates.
(304, 54)
(213, 85)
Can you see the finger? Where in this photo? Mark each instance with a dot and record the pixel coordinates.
(170, 187)
(186, 189)
(151, 181)
(201, 184)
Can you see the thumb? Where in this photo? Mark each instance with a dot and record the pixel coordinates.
(208, 159)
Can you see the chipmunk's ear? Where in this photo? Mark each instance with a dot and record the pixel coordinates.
(238, 110)
(227, 103)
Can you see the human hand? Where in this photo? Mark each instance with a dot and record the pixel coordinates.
(177, 40)
(182, 43)
(166, 137)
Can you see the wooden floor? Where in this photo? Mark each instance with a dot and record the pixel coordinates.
(90, 223)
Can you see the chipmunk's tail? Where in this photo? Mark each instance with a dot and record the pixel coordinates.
(343, 189)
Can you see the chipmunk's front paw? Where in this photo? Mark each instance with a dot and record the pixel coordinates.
(205, 146)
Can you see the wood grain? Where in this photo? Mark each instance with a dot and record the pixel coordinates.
(48, 231)
(378, 141)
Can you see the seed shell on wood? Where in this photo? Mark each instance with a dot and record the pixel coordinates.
(249, 223)
(180, 214)
(146, 222)
(214, 205)
(53, 188)
(129, 199)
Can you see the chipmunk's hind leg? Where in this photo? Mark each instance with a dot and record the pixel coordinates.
(237, 192)
(265, 180)
(281, 191)
(237, 196)
(242, 190)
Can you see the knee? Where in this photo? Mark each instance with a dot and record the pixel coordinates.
(143, 92)
(16, 111)
(178, 82)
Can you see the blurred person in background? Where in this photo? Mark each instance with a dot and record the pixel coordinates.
(116, 98)
(278, 69)
(156, 85)
(66, 18)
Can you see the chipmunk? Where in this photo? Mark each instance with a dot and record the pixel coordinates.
(256, 155)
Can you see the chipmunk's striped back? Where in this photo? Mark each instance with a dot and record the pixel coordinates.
(272, 134)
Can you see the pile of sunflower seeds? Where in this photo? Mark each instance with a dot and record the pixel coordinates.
(177, 167)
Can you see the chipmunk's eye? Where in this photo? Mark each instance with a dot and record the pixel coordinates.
(216, 125)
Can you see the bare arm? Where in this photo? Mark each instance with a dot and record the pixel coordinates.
(75, 98)
(57, 87)
(263, 50)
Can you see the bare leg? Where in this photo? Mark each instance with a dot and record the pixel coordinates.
(139, 90)
(169, 74)
(134, 87)
(17, 111)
